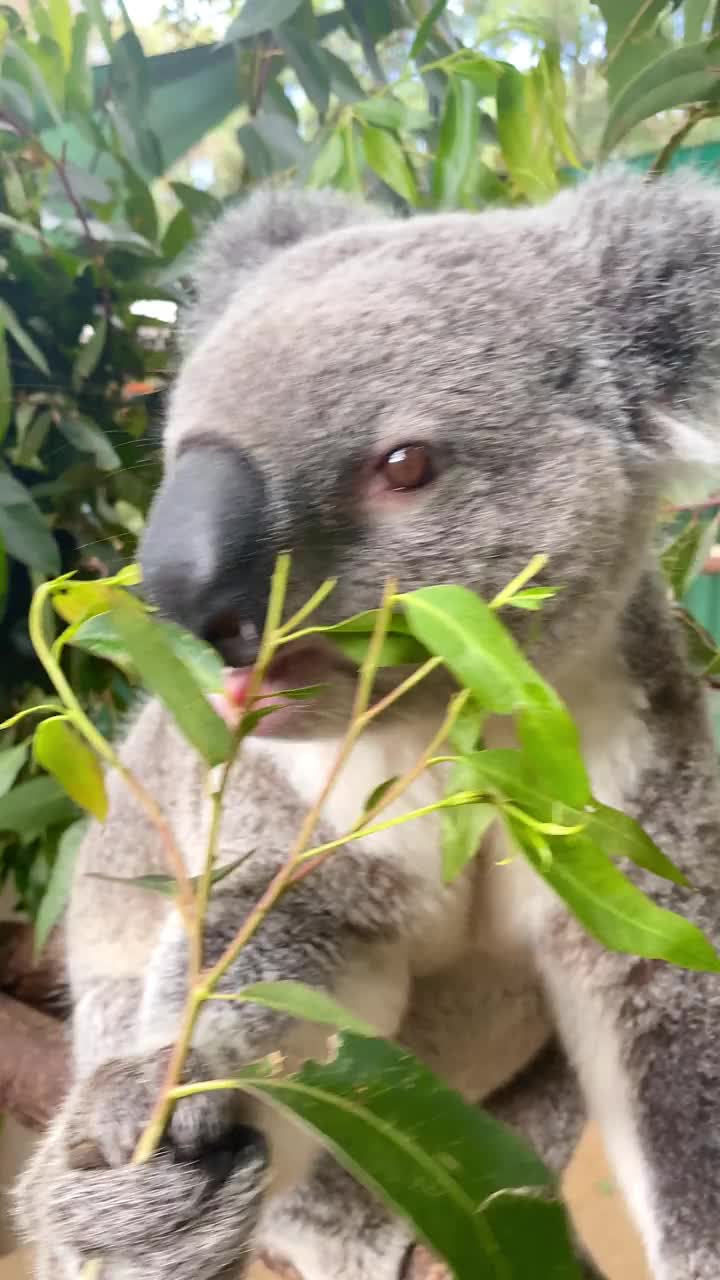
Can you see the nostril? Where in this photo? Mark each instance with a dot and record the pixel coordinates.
(225, 625)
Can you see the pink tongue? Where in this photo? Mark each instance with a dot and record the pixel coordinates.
(237, 681)
(230, 704)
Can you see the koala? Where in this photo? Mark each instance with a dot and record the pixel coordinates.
(434, 399)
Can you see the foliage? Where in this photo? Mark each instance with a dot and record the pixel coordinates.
(416, 104)
(465, 1182)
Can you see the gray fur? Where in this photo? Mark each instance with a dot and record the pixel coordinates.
(562, 362)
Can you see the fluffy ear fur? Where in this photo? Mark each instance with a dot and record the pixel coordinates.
(650, 255)
(250, 234)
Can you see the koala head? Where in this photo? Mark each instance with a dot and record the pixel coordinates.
(436, 399)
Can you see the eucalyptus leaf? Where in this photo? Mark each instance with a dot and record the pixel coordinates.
(611, 908)
(57, 893)
(386, 158)
(163, 672)
(167, 885)
(301, 1001)
(257, 16)
(31, 806)
(89, 355)
(12, 760)
(63, 753)
(435, 1158)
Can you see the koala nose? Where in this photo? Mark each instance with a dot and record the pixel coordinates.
(205, 552)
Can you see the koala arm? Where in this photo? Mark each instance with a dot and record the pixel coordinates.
(643, 1035)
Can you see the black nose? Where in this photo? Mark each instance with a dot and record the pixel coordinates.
(205, 550)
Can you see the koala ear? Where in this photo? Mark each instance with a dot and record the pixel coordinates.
(646, 254)
(250, 234)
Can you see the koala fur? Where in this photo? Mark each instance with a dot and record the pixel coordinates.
(562, 364)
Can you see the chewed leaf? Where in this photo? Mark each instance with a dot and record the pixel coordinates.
(304, 1002)
(61, 750)
(437, 1159)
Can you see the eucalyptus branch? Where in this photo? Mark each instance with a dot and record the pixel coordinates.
(77, 717)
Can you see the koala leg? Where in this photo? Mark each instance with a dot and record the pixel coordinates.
(332, 1228)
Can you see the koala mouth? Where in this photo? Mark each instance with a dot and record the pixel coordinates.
(295, 668)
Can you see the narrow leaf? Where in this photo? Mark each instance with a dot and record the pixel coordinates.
(257, 16)
(458, 142)
(6, 388)
(89, 355)
(167, 885)
(10, 322)
(387, 159)
(426, 27)
(59, 885)
(301, 1001)
(11, 762)
(679, 78)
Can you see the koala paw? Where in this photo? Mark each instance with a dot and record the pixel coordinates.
(188, 1213)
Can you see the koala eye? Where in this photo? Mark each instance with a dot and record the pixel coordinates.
(408, 467)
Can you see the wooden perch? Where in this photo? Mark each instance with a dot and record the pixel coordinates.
(34, 1063)
(41, 982)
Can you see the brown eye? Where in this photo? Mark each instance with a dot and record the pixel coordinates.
(409, 467)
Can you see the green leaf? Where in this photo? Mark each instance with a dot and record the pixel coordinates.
(532, 597)
(467, 730)
(328, 162)
(23, 530)
(19, 228)
(257, 16)
(34, 805)
(99, 635)
(163, 672)
(61, 20)
(396, 650)
(6, 387)
(425, 30)
(684, 75)
(179, 233)
(685, 556)
(463, 827)
(386, 112)
(633, 39)
(63, 753)
(167, 885)
(87, 437)
(519, 129)
(79, 80)
(11, 762)
(552, 749)
(457, 626)
(89, 355)
(694, 14)
(306, 60)
(612, 909)
(377, 793)
(301, 1001)
(10, 322)
(506, 774)
(201, 205)
(387, 159)
(458, 143)
(59, 884)
(436, 1159)
(483, 71)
